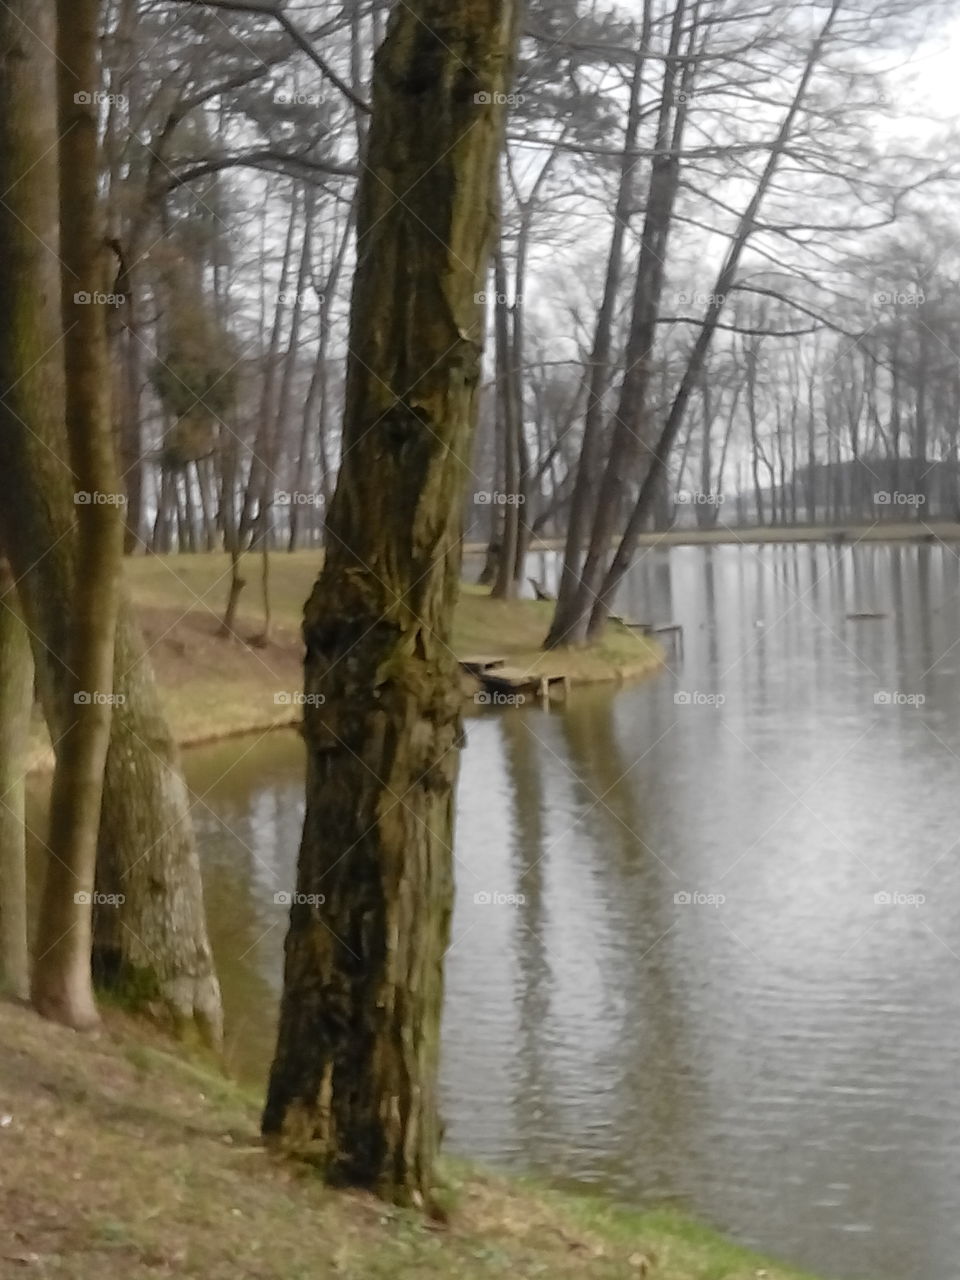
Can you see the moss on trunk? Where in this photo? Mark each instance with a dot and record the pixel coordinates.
(354, 1081)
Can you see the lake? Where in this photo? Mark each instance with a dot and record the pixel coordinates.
(706, 948)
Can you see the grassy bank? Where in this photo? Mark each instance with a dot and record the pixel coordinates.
(119, 1158)
(213, 688)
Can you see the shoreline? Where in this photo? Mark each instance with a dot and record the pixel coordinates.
(77, 1107)
(214, 689)
(910, 531)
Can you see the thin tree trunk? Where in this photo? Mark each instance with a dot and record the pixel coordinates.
(491, 559)
(162, 541)
(750, 357)
(727, 435)
(517, 365)
(724, 282)
(229, 494)
(61, 986)
(318, 401)
(208, 522)
(631, 426)
(277, 436)
(811, 487)
(508, 411)
(566, 615)
(260, 474)
(128, 346)
(16, 699)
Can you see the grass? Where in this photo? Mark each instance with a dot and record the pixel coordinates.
(213, 688)
(119, 1157)
(515, 629)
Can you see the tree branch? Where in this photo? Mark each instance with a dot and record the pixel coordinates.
(266, 158)
(264, 9)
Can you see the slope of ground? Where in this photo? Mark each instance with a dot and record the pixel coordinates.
(119, 1158)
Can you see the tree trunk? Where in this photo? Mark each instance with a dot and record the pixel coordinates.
(631, 428)
(128, 346)
(153, 952)
(155, 945)
(726, 277)
(750, 357)
(353, 1085)
(317, 406)
(229, 490)
(61, 987)
(16, 699)
(517, 378)
(162, 541)
(259, 477)
(509, 410)
(566, 615)
(705, 511)
(497, 513)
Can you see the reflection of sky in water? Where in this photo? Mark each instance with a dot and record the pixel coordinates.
(784, 1063)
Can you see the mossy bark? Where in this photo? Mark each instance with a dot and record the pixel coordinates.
(354, 1081)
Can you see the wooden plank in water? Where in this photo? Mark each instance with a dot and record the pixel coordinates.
(644, 627)
(475, 666)
(518, 681)
(675, 630)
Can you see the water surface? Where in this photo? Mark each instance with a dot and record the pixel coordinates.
(779, 1053)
